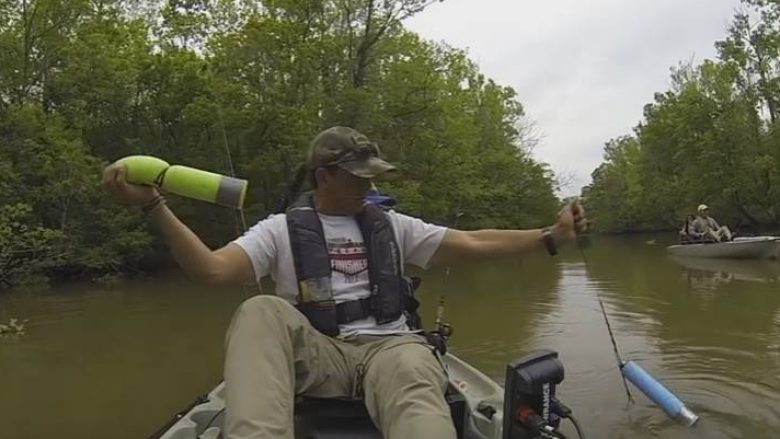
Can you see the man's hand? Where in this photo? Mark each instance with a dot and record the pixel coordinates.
(571, 222)
(114, 179)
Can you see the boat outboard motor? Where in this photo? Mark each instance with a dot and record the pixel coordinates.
(531, 409)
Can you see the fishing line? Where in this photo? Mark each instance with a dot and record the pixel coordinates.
(646, 383)
(615, 349)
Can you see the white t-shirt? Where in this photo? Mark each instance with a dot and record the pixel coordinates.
(268, 246)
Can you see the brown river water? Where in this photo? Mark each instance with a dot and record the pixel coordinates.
(98, 362)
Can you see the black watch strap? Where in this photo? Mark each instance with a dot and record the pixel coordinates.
(549, 241)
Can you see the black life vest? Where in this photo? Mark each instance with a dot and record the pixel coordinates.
(391, 293)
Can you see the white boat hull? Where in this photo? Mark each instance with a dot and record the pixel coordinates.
(760, 247)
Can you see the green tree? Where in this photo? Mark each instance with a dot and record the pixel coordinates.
(25, 249)
(240, 87)
(711, 138)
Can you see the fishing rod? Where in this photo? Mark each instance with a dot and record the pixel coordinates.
(443, 328)
(631, 371)
(240, 208)
(232, 170)
(238, 216)
(292, 189)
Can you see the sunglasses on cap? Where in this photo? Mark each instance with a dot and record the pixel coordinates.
(364, 151)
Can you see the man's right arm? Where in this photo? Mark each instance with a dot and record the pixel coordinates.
(228, 265)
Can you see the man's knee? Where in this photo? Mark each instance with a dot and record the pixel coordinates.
(267, 305)
(268, 311)
(412, 363)
(405, 388)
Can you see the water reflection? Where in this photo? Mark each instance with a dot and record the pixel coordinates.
(494, 307)
(97, 362)
(713, 342)
(110, 363)
(119, 363)
(705, 273)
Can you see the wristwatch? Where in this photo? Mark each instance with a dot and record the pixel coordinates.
(549, 241)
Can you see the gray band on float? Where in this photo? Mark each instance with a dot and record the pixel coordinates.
(229, 192)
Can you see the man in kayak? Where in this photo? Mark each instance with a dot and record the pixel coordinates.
(687, 232)
(708, 228)
(341, 322)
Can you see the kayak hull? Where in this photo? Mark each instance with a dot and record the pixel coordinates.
(761, 247)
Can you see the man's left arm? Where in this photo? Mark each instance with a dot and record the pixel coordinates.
(714, 224)
(464, 246)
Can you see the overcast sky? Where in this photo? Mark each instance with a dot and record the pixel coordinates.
(583, 69)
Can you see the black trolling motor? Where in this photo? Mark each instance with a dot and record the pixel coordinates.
(531, 408)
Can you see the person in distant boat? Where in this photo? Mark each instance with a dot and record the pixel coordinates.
(687, 232)
(708, 228)
(341, 324)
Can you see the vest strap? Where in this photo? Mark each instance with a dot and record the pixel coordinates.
(352, 310)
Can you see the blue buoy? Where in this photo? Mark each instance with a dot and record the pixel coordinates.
(658, 393)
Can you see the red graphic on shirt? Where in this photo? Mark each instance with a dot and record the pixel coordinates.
(348, 258)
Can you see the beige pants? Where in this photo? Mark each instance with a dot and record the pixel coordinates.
(722, 234)
(273, 354)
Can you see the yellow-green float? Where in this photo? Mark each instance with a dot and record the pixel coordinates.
(185, 181)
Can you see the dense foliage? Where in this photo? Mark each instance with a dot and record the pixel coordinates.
(199, 82)
(713, 138)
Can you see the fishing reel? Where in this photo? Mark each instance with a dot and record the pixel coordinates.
(439, 336)
(531, 409)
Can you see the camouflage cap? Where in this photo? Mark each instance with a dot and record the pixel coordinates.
(348, 149)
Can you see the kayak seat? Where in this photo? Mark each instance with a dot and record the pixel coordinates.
(330, 418)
